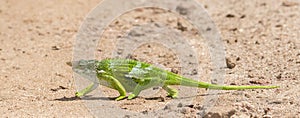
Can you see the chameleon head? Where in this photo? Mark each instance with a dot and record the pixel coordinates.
(85, 68)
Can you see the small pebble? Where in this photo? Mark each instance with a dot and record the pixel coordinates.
(276, 102)
(230, 64)
(289, 4)
(179, 105)
(230, 16)
(267, 116)
(185, 110)
(247, 95)
(182, 10)
(213, 115)
(55, 48)
(167, 107)
(145, 112)
(231, 113)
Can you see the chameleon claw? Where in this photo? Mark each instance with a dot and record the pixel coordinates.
(172, 95)
(120, 97)
(78, 94)
(131, 96)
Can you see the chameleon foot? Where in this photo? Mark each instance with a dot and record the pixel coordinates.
(172, 95)
(171, 92)
(78, 94)
(120, 97)
(131, 96)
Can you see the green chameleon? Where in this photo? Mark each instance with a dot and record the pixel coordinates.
(125, 75)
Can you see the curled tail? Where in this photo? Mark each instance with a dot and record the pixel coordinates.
(194, 83)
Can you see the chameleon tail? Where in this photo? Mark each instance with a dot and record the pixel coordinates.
(194, 83)
(220, 87)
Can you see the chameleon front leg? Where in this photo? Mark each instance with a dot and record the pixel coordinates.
(171, 92)
(87, 90)
(115, 84)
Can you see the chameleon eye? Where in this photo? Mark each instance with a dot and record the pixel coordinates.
(82, 62)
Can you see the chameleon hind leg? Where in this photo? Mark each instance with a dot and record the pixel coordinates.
(115, 84)
(142, 85)
(87, 90)
(171, 92)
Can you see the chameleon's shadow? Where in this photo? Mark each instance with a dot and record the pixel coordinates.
(89, 97)
(84, 98)
(207, 94)
(67, 99)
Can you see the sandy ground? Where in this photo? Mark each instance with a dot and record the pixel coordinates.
(262, 48)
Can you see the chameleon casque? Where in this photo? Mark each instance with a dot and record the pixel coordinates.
(125, 75)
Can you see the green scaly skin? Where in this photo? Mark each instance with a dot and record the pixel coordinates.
(126, 75)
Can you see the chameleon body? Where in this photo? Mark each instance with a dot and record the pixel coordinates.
(126, 75)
